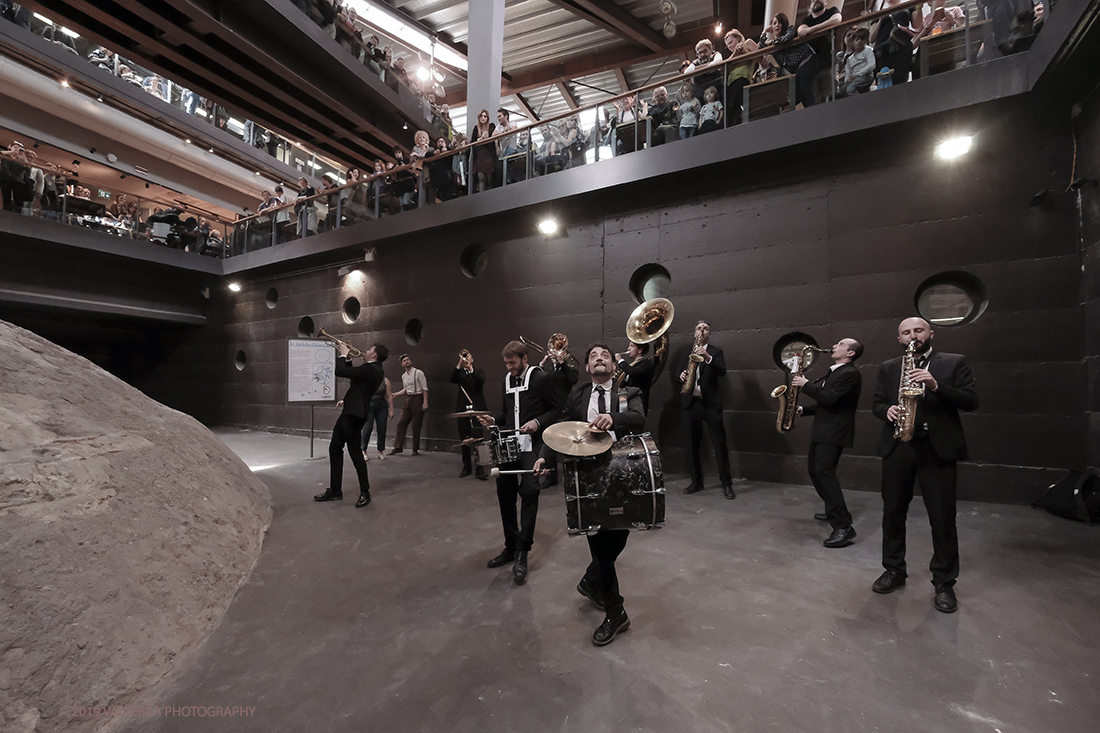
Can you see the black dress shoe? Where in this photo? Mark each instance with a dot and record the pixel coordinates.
(888, 582)
(586, 590)
(945, 599)
(841, 537)
(329, 495)
(519, 570)
(729, 492)
(821, 517)
(693, 488)
(465, 472)
(609, 629)
(364, 499)
(482, 475)
(502, 559)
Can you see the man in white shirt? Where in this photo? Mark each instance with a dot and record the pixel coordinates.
(415, 388)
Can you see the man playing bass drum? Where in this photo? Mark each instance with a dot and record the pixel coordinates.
(597, 403)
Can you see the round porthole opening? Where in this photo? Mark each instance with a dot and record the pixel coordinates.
(789, 345)
(352, 309)
(650, 281)
(414, 331)
(951, 299)
(474, 259)
(306, 328)
(272, 297)
(240, 360)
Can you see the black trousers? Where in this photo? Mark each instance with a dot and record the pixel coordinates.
(823, 459)
(605, 547)
(467, 430)
(908, 463)
(711, 416)
(413, 413)
(348, 432)
(804, 81)
(510, 487)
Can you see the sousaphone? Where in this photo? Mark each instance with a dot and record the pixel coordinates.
(650, 322)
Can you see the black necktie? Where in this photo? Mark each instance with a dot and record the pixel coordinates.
(515, 382)
(601, 403)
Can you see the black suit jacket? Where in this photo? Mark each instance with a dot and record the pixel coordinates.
(639, 375)
(365, 379)
(939, 409)
(708, 377)
(835, 412)
(474, 384)
(623, 423)
(538, 402)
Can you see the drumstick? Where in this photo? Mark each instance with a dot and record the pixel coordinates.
(469, 401)
(494, 472)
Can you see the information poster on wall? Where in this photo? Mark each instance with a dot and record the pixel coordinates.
(310, 371)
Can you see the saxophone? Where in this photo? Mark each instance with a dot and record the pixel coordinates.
(788, 395)
(693, 367)
(908, 394)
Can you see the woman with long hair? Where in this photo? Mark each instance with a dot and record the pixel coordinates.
(483, 157)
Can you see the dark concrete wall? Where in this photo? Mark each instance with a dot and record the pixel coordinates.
(1088, 168)
(832, 239)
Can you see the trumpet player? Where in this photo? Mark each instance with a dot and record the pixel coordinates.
(365, 379)
(637, 370)
(834, 429)
(930, 457)
(704, 406)
(471, 396)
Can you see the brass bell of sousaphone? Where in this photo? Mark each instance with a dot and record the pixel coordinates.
(650, 322)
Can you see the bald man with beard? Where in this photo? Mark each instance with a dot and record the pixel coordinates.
(931, 458)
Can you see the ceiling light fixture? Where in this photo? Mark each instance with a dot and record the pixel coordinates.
(669, 29)
(235, 287)
(548, 226)
(954, 147)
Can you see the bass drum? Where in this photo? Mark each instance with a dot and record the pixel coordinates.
(622, 488)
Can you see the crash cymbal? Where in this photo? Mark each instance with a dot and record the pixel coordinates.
(576, 439)
(470, 413)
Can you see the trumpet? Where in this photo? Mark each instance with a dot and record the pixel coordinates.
(557, 347)
(337, 343)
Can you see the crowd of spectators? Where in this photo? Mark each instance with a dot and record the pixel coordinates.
(33, 187)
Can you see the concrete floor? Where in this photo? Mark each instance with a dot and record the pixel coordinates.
(386, 618)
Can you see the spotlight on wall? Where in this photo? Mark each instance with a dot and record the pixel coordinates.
(211, 150)
(347, 270)
(99, 98)
(717, 29)
(235, 287)
(188, 141)
(548, 226)
(206, 293)
(65, 83)
(954, 147)
(370, 255)
(91, 150)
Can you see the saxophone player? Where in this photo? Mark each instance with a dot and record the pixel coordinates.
(931, 457)
(704, 406)
(834, 429)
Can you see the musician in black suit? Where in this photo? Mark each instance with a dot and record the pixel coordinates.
(536, 408)
(348, 430)
(638, 369)
(931, 457)
(704, 406)
(834, 429)
(597, 403)
(471, 396)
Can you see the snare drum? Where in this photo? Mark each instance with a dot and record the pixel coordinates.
(498, 449)
(622, 488)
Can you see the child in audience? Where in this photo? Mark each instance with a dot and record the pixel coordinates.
(859, 69)
(710, 116)
(689, 111)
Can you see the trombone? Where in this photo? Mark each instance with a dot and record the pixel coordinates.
(337, 343)
(556, 346)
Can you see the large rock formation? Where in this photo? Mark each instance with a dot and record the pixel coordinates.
(125, 530)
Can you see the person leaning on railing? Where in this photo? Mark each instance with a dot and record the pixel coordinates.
(382, 191)
(483, 158)
(665, 114)
(705, 57)
(440, 181)
(738, 76)
(818, 18)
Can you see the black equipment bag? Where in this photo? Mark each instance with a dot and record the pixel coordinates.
(1076, 497)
